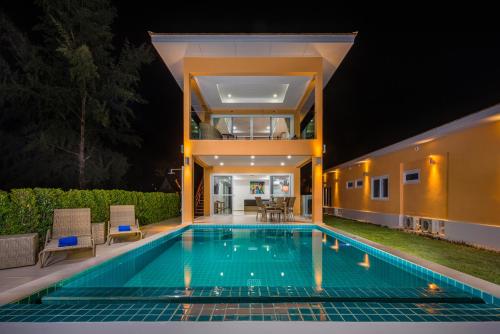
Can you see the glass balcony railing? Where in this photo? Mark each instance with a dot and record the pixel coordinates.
(244, 127)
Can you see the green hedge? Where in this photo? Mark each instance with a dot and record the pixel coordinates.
(30, 210)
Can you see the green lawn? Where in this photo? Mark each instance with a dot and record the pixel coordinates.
(476, 262)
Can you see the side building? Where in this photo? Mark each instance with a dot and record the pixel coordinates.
(444, 182)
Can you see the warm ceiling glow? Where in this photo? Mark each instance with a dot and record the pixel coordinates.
(222, 164)
(289, 157)
(252, 164)
(252, 157)
(216, 157)
(282, 163)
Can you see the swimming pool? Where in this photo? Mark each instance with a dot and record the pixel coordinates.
(272, 263)
(255, 273)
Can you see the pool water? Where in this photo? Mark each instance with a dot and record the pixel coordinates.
(253, 264)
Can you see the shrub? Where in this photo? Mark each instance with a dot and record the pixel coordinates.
(31, 210)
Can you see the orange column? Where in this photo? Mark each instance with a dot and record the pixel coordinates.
(188, 182)
(317, 158)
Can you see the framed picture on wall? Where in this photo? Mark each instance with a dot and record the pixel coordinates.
(257, 187)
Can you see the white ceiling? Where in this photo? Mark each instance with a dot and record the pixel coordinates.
(252, 92)
(246, 161)
(173, 48)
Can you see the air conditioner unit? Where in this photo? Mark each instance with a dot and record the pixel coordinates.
(426, 225)
(408, 223)
(438, 227)
(411, 223)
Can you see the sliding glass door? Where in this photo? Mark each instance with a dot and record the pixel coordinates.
(222, 195)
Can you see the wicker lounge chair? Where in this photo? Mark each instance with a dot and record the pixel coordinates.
(68, 222)
(122, 215)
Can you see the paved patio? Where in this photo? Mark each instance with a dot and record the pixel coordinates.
(61, 266)
(245, 218)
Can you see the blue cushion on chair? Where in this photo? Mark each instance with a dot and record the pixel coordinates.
(123, 228)
(68, 241)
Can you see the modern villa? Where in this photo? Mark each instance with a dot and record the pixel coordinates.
(248, 246)
(253, 111)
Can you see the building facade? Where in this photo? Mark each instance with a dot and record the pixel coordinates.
(253, 113)
(444, 182)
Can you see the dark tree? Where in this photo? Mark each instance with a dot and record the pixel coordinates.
(67, 103)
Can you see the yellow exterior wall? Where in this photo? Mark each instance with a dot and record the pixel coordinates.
(462, 183)
(254, 66)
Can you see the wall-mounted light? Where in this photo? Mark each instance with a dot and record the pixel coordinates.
(216, 157)
(324, 148)
(282, 163)
(186, 161)
(289, 157)
(252, 157)
(417, 148)
(221, 163)
(252, 164)
(365, 173)
(432, 161)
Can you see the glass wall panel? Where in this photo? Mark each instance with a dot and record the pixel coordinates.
(241, 127)
(281, 185)
(261, 128)
(223, 124)
(222, 196)
(281, 128)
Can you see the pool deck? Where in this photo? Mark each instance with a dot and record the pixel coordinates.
(17, 283)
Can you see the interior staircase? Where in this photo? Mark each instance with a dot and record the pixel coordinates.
(199, 201)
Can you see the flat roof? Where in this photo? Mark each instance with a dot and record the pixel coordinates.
(491, 114)
(174, 47)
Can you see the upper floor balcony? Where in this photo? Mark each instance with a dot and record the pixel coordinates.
(252, 127)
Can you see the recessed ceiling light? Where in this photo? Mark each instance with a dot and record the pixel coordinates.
(268, 127)
(282, 164)
(222, 164)
(275, 95)
(252, 157)
(289, 157)
(216, 157)
(234, 128)
(229, 95)
(252, 164)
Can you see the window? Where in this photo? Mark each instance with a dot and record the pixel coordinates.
(281, 185)
(380, 187)
(349, 184)
(411, 176)
(359, 183)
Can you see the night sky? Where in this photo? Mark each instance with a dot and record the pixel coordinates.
(393, 84)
